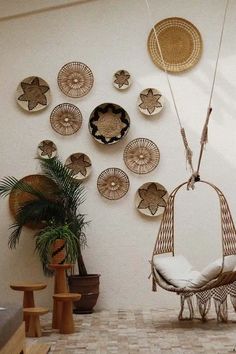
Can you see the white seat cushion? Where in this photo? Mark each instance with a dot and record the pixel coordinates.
(179, 272)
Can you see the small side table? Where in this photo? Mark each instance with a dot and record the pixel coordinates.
(66, 323)
(28, 298)
(60, 286)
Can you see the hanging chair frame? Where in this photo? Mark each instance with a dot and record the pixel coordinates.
(166, 236)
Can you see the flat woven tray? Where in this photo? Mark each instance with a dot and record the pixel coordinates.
(180, 43)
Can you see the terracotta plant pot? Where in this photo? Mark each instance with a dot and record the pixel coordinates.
(88, 287)
(58, 252)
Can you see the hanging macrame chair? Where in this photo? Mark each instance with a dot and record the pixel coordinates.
(165, 244)
(221, 284)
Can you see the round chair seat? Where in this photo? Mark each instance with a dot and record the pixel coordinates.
(27, 286)
(67, 297)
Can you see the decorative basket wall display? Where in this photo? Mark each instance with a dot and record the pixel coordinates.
(18, 198)
(66, 119)
(109, 123)
(33, 94)
(113, 183)
(122, 79)
(80, 164)
(150, 101)
(141, 155)
(151, 198)
(75, 79)
(180, 43)
(47, 149)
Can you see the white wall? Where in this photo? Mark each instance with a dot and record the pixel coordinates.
(109, 35)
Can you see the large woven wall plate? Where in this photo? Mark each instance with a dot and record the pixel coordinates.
(17, 197)
(150, 101)
(80, 164)
(75, 79)
(141, 155)
(47, 149)
(151, 199)
(66, 119)
(180, 43)
(33, 94)
(122, 80)
(109, 123)
(113, 183)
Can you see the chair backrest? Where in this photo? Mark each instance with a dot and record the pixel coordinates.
(165, 237)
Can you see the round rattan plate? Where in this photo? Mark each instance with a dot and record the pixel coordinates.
(180, 43)
(109, 123)
(33, 94)
(150, 101)
(141, 155)
(113, 183)
(66, 119)
(47, 149)
(122, 79)
(151, 198)
(75, 79)
(17, 197)
(80, 164)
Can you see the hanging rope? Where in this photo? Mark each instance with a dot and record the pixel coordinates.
(204, 136)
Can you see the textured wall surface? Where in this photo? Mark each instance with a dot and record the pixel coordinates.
(109, 35)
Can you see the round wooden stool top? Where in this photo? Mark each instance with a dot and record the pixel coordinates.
(35, 311)
(67, 297)
(60, 266)
(27, 286)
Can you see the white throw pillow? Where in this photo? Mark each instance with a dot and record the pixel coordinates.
(213, 269)
(176, 270)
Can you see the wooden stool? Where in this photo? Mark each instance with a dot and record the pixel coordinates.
(65, 319)
(28, 298)
(33, 314)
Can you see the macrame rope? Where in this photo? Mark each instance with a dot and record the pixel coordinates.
(204, 136)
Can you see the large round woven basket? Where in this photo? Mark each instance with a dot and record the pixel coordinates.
(180, 43)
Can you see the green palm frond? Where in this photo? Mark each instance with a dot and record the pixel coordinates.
(11, 183)
(15, 235)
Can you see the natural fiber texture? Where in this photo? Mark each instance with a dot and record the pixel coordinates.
(75, 79)
(113, 183)
(47, 149)
(122, 80)
(109, 123)
(80, 164)
(141, 155)
(180, 43)
(151, 199)
(33, 94)
(18, 198)
(150, 101)
(66, 119)
(165, 242)
(186, 298)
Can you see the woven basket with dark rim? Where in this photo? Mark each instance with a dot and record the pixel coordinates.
(180, 43)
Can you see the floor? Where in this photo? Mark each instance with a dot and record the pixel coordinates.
(141, 332)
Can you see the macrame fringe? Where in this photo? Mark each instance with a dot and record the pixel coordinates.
(186, 298)
(188, 151)
(154, 285)
(221, 310)
(233, 301)
(203, 307)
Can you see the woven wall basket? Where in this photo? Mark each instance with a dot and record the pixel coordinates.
(141, 155)
(17, 197)
(180, 43)
(108, 123)
(113, 183)
(80, 164)
(33, 94)
(47, 149)
(122, 79)
(150, 101)
(66, 119)
(75, 79)
(151, 199)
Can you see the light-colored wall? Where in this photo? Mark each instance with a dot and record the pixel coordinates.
(108, 35)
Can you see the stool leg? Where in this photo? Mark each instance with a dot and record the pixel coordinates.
(56, 314)
(67, 323)
(34, 327)
(28, 301)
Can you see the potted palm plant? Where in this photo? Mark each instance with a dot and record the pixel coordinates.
(57, 214)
